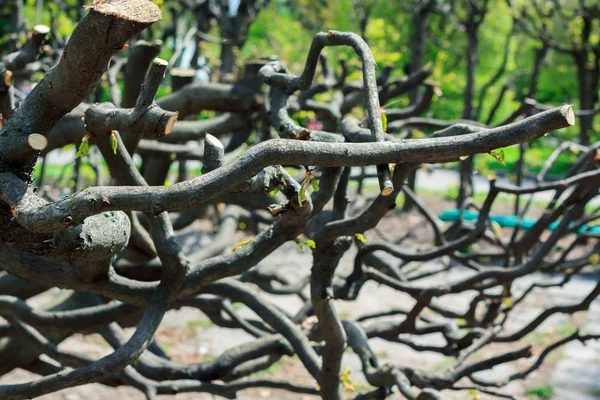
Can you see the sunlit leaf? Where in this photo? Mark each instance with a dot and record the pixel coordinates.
(349, 384)
(473, 394)
(299, 244)
(310, 243)
(384, 120)
(361, 238)
(114, 142)
(497, 229)
(243, 243)
(301, 197)
(594, 259)
(315, 185)
(84, 147)
(417, 134)
(302, 191)
(498, 155)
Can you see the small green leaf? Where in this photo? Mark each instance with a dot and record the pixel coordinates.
(273, 192)
(383, 120)
(347, 382)
(243, 243)
(498, 155)
(302, 191)
(114, 142)
(473, 394)
(315, 185)
(417, 134)
(242, 226)
(310, 243)
(497, 229)
(301, 197)
(594, 259)
(361, 238)
(299, 244)
(508, 302)
(84, 147)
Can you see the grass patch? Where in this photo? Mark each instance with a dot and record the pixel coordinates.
(541, 392)
(200, 323)
(544, 338)
(443, 364)
(273, 368)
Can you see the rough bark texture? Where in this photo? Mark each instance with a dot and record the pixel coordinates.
(112, 242)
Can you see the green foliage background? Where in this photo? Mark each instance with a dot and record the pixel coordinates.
(285, 29)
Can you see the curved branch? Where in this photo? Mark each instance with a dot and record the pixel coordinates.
(74, 209)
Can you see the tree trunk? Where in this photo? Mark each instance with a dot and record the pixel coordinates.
(227, 62)
(535, 74)
(466, 166)
(419, 39)
(588, 97)
(230, 27)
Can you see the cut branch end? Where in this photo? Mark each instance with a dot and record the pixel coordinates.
(37, 142)
(160, 62)
(8, 78)
(388, 189)
(41, 30)
(567, 111)
(142, 11)
(170, 123)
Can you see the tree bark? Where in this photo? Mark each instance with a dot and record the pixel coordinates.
(465, 189)
(588, 94)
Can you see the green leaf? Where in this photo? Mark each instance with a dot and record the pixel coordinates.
(299, 244)
(310, 243)
(302, 191)
(301, 197)
(417, 134)
(273, 192)
(508, 302)
(84, 147)
(497, 229)
(243, 243)
(473, 394)
(347, 382)
(114, 142)
(498, 155)
(361, 238)
(594, 259)
(315, 185)
(383, 120)
(242, 226)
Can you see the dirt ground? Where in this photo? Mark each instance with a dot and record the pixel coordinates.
(187, 335)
